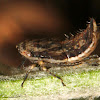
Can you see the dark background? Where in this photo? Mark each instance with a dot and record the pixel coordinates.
(20, 20)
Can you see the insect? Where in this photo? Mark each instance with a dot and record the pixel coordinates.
(69, 51)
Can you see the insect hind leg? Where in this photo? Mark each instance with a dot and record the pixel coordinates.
(42, 67)
(58, 78)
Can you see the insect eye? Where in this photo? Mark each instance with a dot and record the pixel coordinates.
(26, 53)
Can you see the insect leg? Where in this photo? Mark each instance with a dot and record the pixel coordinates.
(22, 63)
(57, 77)
(41, 63)
(24, 79)
(31, 67)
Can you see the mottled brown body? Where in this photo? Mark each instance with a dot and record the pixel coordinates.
(60, 52)
(43, 51)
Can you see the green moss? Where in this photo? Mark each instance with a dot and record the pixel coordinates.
(50, 85)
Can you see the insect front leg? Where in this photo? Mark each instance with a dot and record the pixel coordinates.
(30, 68)
(41, 63)
(22, 63)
